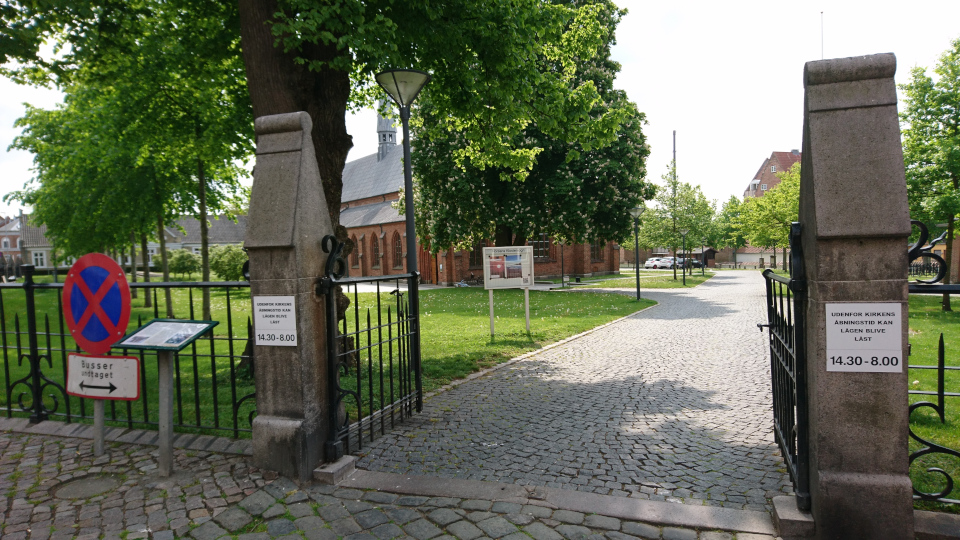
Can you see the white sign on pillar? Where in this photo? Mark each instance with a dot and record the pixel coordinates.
(275, 320)
(864, 337)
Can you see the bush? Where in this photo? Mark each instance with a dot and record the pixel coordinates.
(227, 262)
(183, 261)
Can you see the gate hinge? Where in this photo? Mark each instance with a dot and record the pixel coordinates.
(324, 286)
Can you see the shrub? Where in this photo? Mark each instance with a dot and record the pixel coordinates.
(227, 262)
(183, 261)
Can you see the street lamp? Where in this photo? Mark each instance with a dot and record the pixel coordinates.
(635, 212)
(682, 250)
(403, 86)
(703, 257)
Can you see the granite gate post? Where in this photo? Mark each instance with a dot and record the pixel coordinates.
(288, 218)
(855, 224)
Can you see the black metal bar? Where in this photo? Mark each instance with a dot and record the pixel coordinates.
(6, 359)
(38, 414)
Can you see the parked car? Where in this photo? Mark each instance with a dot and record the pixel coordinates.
(659, 262)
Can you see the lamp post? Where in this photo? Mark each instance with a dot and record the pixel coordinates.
(635, 212)
(682, 250)
(703, 257)
(403, 86)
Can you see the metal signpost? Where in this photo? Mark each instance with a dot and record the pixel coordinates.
(96, 298)
(508, 268)
(166, 336)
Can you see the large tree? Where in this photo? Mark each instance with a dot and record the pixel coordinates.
(574, 192)
(726, 231)
(320, 57)
(930, 119)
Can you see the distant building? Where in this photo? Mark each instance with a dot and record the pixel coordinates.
(766, 177)
(10, 236)
(371, 186)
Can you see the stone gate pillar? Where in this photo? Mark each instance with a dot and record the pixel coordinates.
(855, 224)
(288, 218)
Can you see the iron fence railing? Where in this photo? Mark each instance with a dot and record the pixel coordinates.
(375, 377)
(213, 377)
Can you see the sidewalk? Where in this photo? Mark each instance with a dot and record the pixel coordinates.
(54, 488)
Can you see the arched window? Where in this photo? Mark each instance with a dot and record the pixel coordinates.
(355, 254)
(6, 243)
(375, 250)
(397, 251)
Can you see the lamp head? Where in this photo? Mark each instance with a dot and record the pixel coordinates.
(403, 85)
(684, 231)
(635, 212)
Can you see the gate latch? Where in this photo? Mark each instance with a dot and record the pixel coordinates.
(761, 326)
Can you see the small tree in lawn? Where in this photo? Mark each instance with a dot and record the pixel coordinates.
(727, 233)
(183, 262)
(227, 262)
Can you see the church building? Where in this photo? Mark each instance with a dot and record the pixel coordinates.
(371, 186)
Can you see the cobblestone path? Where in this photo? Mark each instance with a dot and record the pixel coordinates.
(669, 404)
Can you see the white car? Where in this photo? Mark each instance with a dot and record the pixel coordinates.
(659, 262)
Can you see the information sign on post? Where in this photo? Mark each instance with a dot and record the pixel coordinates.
(166, 336)
(864, 337)
(508, 267)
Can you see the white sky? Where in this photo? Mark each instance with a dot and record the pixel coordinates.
(727, 76)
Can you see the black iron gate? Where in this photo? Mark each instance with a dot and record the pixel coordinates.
(373, 346)
(786, 299)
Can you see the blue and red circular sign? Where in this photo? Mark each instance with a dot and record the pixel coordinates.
(96, 300)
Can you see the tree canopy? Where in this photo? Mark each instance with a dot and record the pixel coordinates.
(765, 221)
(930, 128)
(574, 191)
(679, 207)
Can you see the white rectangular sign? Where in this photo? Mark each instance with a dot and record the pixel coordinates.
(865, 337)
(103, 377)
(275, 320)
(508, 267)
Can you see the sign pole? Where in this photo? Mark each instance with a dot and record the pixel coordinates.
(491, 312)
(165, 383)
(98, 427)
(526, 305)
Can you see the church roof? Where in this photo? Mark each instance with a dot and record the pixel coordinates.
(367, 177)
(370, 214)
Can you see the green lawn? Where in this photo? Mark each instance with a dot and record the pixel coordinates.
(658, 280)
(927, 322)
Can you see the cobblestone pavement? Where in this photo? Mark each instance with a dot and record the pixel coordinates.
(219, 496)
(669, 404)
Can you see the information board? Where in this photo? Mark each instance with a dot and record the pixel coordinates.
(166, 334)
(275, 320)
(508, 267)
(103, 377)
(865, 337)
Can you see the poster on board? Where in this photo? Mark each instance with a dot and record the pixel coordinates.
(508, 267)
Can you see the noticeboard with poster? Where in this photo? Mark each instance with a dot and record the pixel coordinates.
(508, 267)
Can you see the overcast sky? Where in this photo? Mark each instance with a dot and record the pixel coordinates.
(727, 76)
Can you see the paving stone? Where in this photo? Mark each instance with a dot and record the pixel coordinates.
(207, 531)
(321, 533)
(539, 531)
(387, 531)
(254, 536)
(360, 536)
(717, 535)
(300, 510)
(380, 497)
(233, 519)
(411, 501)
(519, 519)
(443, 516)
(573, 532)
(497, 527)
(506, 508)
(370, 518)
(614, 535)
(345, 526)
(333, 512)
(643, 530)
(400, 515)
(422, 529)
(464, 530)
(674, 533)
(279, 527)
(476, 504)
(274, 511)
(567, 516)
(257, 503)
(595, 521)
(163, 535)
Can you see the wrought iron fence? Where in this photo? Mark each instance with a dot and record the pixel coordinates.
(785, 324)
(375, 377)
(213, 378)
(920, 251)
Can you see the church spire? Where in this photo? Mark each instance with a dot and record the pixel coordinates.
(386, 135)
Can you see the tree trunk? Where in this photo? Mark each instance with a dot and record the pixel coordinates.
(164, 267)
(204, 248)
(145, 256)
(784, 258)
(503, 236)
(945, 302)
(133, 264)
(278, 84)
